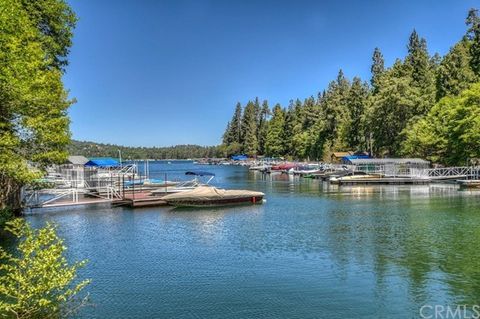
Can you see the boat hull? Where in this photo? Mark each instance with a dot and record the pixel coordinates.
(217, 202)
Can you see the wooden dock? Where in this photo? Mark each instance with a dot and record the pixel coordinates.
(469, 184)
(143, 199)
(79, 202)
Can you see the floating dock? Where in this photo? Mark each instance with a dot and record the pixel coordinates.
(469, 184)
(383, 181)
(143, 199)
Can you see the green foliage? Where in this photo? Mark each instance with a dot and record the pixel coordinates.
(55, 20)
(354, 128)
(263, 127)
(274, 142)
(450, 133)
(34, 125)
(234, 133)
(473, 32)
(5, 216)
(37, 281)
(396, 107)
(249, 129)
(455, 73)
(377, 69)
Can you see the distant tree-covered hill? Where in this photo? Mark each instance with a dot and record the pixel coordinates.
(92, 149)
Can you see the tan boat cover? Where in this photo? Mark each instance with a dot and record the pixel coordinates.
(205, 193)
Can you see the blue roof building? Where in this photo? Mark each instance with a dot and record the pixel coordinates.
(102, 162)
(239, 157)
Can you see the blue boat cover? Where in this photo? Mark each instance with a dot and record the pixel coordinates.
(102, 162)
(199, 173)
(346, 159)
(239, 157)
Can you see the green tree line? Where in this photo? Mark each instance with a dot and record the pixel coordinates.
(91, 149)
(423, 105)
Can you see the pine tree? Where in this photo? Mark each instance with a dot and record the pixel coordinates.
(357, 103)
(335, 111)
(392, 108)
(227, 136)
(289, 129)
(263, 127)
(236, 125)
(455, 73)
(377, 69)
(418, 65)
(249, 130)
(473, 22)
(274, 143)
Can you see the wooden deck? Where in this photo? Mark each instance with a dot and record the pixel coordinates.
(80, 202)
(143, 199)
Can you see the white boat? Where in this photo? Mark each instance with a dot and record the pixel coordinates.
(212, 196)
(260, 167)
(187, 185)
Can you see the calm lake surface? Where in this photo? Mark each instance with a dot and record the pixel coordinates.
(311, 251)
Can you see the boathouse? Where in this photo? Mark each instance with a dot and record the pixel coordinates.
(239, 157)
(389, 166)
(337, 157)
(102, 162)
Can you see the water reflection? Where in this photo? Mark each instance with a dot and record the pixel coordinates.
(312, 248)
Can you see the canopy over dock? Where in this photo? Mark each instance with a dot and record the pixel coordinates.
(103, 162)
(389, 166)
(381, 161)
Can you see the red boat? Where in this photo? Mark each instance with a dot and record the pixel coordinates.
(283, 167)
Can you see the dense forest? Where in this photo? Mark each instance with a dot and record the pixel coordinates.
(422, 105)
(91, 149)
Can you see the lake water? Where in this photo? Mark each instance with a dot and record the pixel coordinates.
(311, 251)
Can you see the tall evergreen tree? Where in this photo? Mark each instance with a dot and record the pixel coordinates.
(288, 133)
(377, 69)
(249, 129)
(357, 103)
(392, 109)
(274, 143)
(455, 73)
(335, 112)
(418, 65)
(236, 125)
(263, 127)
(227, 136)
(473, 23)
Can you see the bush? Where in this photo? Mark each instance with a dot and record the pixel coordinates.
(5, 215)
(37, 281)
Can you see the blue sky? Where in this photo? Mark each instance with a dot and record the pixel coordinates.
(158, 73)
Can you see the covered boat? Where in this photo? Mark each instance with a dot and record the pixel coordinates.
(204, 196)
(187, 185)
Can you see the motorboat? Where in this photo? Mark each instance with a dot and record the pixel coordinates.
(354, 176)
(259, 167)
(197, 181)
(211, 196)
(306, 169)
(153, 182)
